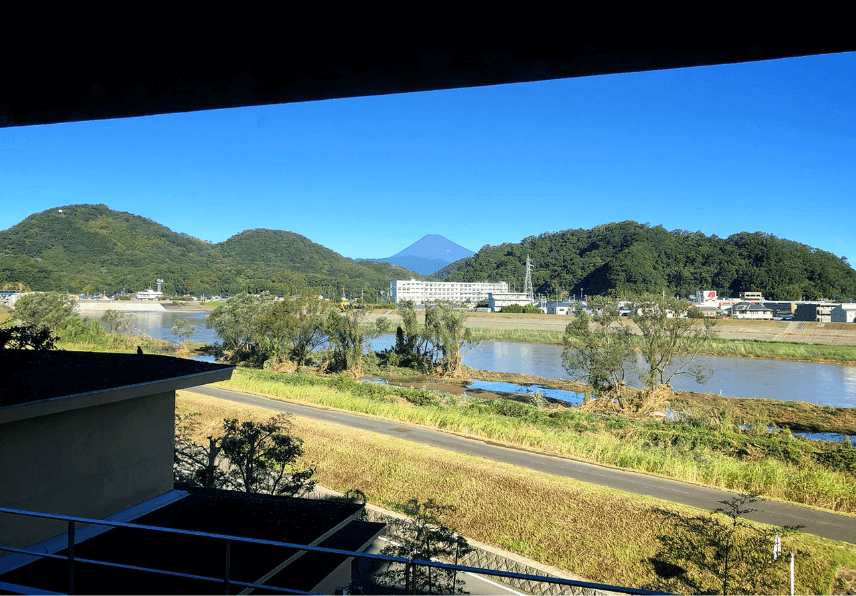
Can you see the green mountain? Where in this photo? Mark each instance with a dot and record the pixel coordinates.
(91, 248)
(633, 257)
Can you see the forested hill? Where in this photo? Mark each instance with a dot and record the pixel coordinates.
(633, 257)
(91, 248)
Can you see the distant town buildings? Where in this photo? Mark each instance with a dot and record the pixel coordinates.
(422, 292)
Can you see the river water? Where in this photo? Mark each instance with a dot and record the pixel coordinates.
(820, 383)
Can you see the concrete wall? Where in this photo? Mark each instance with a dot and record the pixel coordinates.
(120, 305)
(92, 462)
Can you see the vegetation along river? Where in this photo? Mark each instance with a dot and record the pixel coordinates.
(819, 383)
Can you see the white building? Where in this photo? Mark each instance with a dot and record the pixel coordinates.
(844, 313)
(748, 310)
(421, 292)
(496, 300)
(562, 307)
(149, 294)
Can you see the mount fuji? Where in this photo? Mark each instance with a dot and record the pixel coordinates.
(430, 253)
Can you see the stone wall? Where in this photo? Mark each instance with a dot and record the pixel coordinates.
(488, 558)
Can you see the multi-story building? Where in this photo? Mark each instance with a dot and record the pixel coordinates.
(421, 292)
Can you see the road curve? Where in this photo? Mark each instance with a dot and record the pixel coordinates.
(821, 523)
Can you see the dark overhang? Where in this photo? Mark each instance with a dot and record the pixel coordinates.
(154, 63)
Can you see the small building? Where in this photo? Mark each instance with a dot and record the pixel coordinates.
(819, 312)
(496, 301)
(751, 296)
(149, 294)
(843, 313)
(747, 310)
(560, 307)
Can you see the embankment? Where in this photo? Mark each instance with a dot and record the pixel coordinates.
(788, 331)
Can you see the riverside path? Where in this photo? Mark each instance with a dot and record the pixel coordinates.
(821, 523)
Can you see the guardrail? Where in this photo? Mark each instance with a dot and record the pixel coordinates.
(227, 582)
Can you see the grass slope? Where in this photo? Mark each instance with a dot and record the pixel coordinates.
(604, 535)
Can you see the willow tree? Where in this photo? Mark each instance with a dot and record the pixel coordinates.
(597, 346)
(448, 338)
(347, 333)
(672, 334)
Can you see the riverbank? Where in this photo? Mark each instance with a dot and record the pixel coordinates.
(712, 450)
(780, 340)
(604, 535)
(797, 416)
(90, 307)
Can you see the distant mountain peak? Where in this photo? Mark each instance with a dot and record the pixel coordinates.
(435, 246)
(430, 253)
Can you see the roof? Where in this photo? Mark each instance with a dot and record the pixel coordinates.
(331, 524)
(31, 377)
(750, 307)
(206, 59)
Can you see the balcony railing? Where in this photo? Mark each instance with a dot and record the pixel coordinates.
(226, 580)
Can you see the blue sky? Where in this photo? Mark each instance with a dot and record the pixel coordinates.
(766, 146)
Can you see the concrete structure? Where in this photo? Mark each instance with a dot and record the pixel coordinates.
(751, 296)
(496, 300)
(74, 447)
(95, 439)
(844, 313)
(422, 292)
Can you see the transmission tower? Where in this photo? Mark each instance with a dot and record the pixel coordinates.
(527, 285)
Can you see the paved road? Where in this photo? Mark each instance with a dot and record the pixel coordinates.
(827, 525)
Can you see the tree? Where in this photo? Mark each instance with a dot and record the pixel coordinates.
(597, 346)
(721, 553)
(424, 537)
(118, 321)
(44, 310)
(263, 456)
(673, 333)
(448, 338)
(183, 330)
(411, 346)
(347, 335)
(292, 328)
(236, 322)
(256, 457)
(27, 337)
(198, 464)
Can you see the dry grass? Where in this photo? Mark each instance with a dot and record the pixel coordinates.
(601, 534)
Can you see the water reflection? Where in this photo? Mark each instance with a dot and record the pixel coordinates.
(826, 384)
(159, 325)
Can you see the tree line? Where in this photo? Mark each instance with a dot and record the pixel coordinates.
(264, 332)
(94, 249)
(629, 257)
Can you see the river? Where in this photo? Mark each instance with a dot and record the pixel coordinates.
(819, 383)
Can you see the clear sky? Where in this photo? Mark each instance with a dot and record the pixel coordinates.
(766, 146)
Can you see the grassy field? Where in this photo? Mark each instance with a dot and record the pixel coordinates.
(604, 535)
(718, 454)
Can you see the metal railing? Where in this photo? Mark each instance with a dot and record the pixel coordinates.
(226, 580)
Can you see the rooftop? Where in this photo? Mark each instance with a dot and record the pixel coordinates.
(265, 517)
(32, 377)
